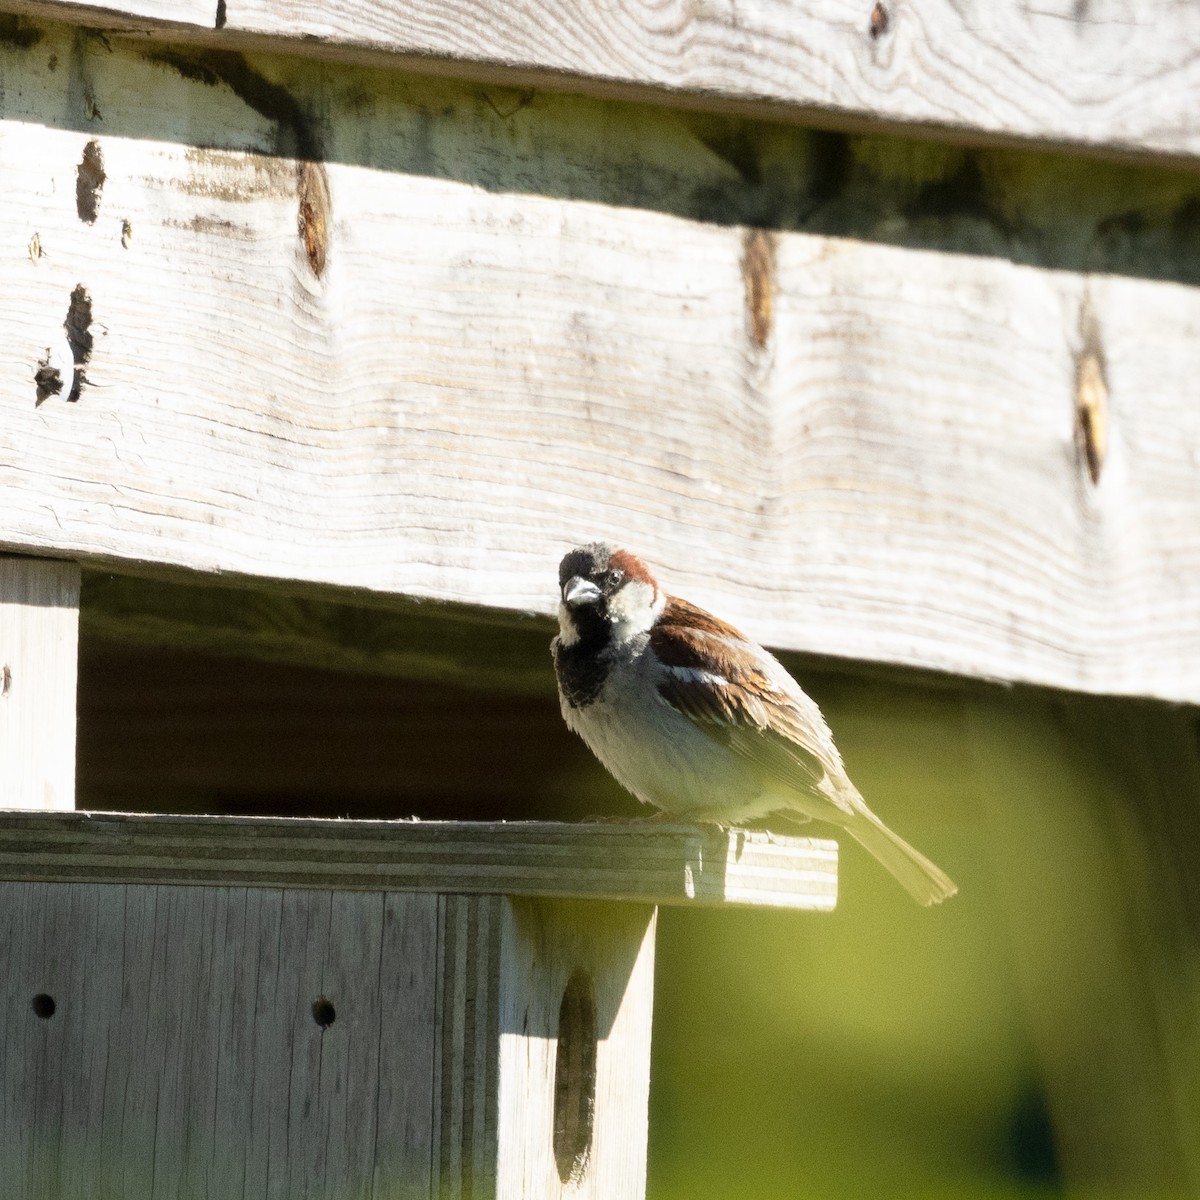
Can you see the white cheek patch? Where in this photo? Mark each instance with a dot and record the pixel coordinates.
(568, 635)
(634, 609)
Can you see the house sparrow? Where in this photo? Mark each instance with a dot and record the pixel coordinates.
(694, 718)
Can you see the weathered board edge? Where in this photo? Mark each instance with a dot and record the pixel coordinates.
(636, 73)
(632, 861)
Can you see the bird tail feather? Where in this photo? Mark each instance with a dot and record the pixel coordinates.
(924, 881)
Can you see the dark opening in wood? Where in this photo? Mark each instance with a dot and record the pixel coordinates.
(575, 1078)
(44, 1006)
(323, 1012)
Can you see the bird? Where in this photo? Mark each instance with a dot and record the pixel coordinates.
(697, 720)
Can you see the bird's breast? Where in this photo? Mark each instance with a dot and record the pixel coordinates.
(658, 754)
(582, 673)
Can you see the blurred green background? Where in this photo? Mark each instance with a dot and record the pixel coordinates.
(1035, 1036)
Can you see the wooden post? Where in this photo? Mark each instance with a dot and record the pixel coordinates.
(576, 992)
(39, 635)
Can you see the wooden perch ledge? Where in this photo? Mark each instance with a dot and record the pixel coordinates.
(638, 862)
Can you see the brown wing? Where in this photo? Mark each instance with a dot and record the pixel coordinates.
(740, 695)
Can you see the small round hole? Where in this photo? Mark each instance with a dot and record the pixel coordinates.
(323, 1012)
(43, 1006)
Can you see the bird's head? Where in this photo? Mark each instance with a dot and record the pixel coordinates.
(607, 595)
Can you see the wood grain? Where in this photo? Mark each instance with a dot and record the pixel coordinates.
(1103, 76)
(479, 378)
(647, 863)
(143, 16)
(466, 1075)
(39, 639)
(164, 1042)
(182, 1057)
(543, 944)
(482, 648)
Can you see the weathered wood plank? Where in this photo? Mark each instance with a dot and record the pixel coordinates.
(1103, 77)
(404, 1144)
(161, 17)
(648, 863)
(175, 1050)
(467, 1071)
(39, 644)
(479, 647)
(893, 475)
(173, 1042)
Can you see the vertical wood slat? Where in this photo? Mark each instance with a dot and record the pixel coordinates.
(465, 1087)
(39, 635)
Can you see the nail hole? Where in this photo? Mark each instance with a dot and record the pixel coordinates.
(44, 1006)
(575, 1079)
(323, 1012)
(879, 21)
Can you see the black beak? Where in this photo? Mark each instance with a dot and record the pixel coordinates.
(578, 591)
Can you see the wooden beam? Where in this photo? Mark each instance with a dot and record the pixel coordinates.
(450, 644)
(646, 863)
(160, 17)
(39, 636)
(1100, 78)
(445, 382)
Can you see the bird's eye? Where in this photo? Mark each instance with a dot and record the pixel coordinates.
(613, 576)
